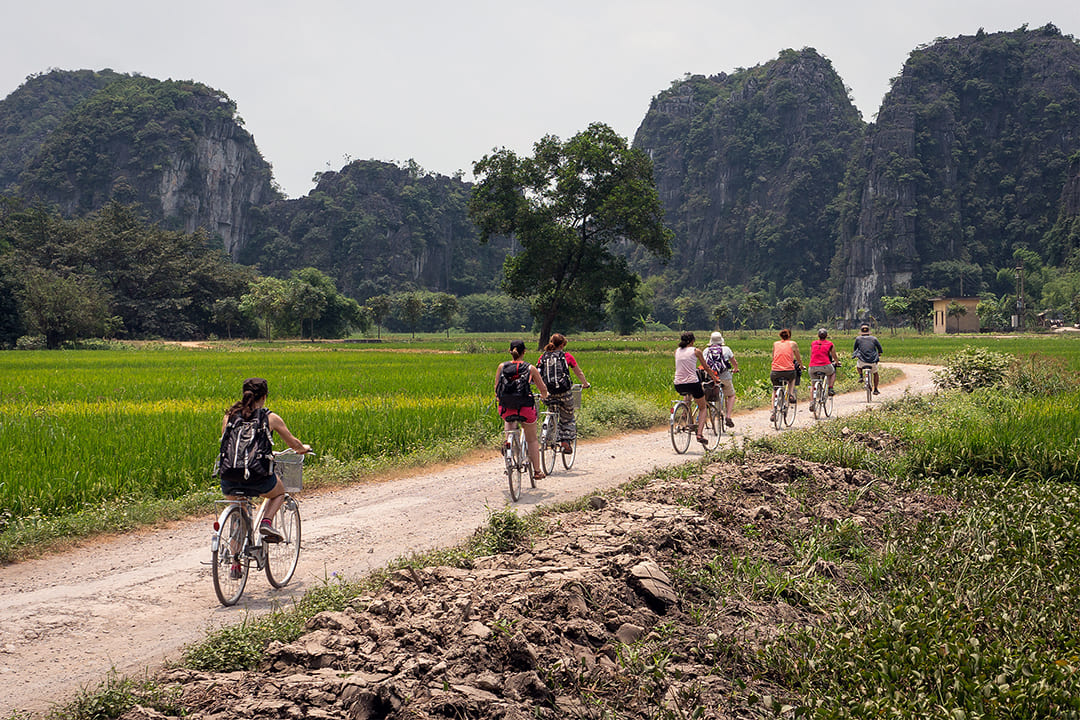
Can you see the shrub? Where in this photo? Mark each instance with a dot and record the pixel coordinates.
(972, 368)
(30, 342)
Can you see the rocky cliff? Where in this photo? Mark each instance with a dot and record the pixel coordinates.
(747, 165)
(177, 149)
(967, 162)
(375, 227)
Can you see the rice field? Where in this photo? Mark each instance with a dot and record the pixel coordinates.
(83, 428)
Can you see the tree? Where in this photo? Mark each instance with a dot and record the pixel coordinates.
(411, 307)
(789, 309)
(226, 311)
(895, 307)
(267, 299)
(920, 305)
(627, 307)
(566, 206)
(379, 307)
(61, 307)
(750, 308)
(305, 301)
(445, 307)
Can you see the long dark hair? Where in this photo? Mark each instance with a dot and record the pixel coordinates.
(555, 342)
(255, 389)
(686, 340)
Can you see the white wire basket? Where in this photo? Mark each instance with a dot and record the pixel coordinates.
(289, 466)
(576, 390)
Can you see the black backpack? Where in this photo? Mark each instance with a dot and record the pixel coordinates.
(247, 448)
(513, 388)
(555, 371)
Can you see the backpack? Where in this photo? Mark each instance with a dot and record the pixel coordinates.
(555, 371)
(246, 447)
(717, 359)
(513, 387)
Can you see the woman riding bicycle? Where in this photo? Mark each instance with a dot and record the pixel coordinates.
(823, 358)
(515, 399)
(555, 366)
(687, 383)
(252, 405)
(785, 356)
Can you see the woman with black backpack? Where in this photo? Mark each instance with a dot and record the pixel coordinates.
(247, 450)
(512, 381)
(555, 366)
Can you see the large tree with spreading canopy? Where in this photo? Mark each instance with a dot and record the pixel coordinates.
(567, 206)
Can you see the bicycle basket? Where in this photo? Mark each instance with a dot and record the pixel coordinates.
(289, 467)
(576, 395)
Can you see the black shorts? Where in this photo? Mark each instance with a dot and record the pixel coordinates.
(254, 485)
(781, 377)
(694, 389)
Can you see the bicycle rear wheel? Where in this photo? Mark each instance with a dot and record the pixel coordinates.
(714, 428)
(680, 427)
(815, 400)
(778, 407)
(548, 445)
(282, 557)
(229, 561)
(569, 457)
(513, 465)
(868, 381)
(789, 411)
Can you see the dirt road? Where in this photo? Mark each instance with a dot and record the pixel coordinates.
(130, 602)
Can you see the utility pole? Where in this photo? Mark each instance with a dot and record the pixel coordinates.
(1020, 295)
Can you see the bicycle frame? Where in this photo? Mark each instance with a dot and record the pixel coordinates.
(254, 538)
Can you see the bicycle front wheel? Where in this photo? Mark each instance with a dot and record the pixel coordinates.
(680, 427)
(282, 557)
(827, 402)
(548, 445)
(714, 428)
(568, 457)
(229, 560)
(514, 466)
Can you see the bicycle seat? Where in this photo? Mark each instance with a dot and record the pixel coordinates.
(817, 374)
(515, 418)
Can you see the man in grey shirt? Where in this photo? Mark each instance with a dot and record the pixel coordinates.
(867, 352)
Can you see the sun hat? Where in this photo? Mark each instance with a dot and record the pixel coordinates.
(716, 339)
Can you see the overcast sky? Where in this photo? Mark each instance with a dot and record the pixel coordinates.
(320, 82)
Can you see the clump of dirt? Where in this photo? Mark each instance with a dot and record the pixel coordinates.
(631, 605)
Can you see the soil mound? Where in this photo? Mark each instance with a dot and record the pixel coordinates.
(629, 606)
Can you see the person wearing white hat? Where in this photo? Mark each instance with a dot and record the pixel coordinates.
(722, 360)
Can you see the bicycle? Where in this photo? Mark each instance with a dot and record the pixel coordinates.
(235, 544)
(868, 381)
(684, 423)
(549, 437)
(516, 455)
(821, 400)
(783, 409)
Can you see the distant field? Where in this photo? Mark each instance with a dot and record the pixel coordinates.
(80, 428)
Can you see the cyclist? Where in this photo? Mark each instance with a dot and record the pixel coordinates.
(867, 352)
(785, 357)
(516, 398)
(722, 360)
(823, 358)
(687, 382)
(266, 484)
(555, 366)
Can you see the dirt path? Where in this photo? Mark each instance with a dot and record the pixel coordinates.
(130, 602)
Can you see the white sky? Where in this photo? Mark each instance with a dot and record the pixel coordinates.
(320, 82)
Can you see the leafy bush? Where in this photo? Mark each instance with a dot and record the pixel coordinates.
(30, 342)
(606, 413)
(972, 368)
